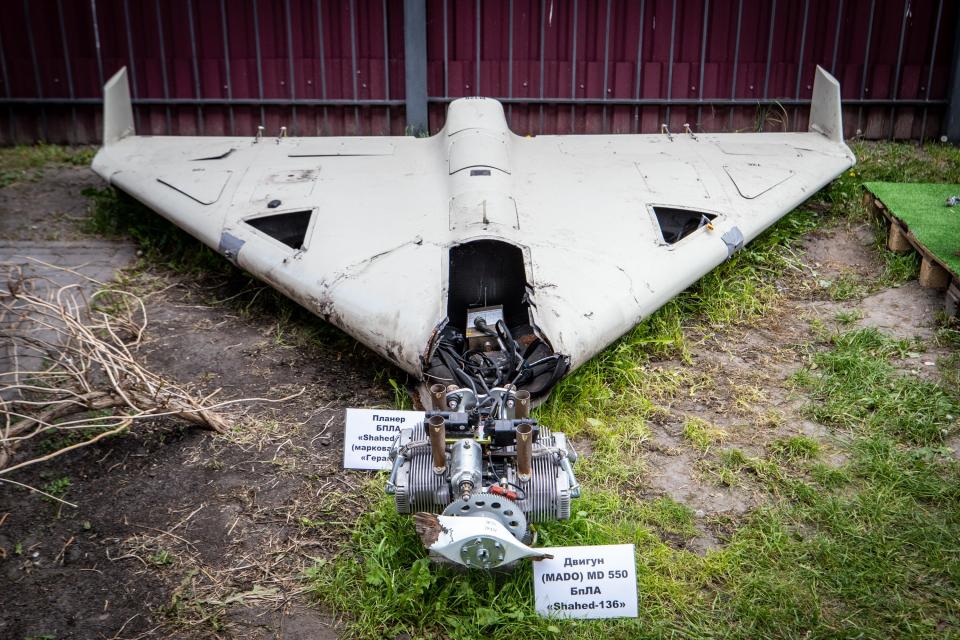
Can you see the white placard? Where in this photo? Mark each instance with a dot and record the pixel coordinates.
(369, 434)
(587, 582)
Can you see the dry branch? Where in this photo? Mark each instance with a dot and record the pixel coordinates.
(70, 370)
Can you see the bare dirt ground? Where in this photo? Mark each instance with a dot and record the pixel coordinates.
(177, 533)
(180, 534)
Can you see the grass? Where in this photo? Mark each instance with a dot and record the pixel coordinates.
(864, 548)
(859, 549)
(56, 487)
(796, 448)
(855, 386)
(888, 162)
(921, 206)
(26, 162)
(701, 434)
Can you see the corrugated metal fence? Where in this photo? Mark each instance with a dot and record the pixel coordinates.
(216, 67)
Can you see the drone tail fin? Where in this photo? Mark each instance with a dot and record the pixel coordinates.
(825, 109)
(117, 109)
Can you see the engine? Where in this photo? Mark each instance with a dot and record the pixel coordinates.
(478, 472)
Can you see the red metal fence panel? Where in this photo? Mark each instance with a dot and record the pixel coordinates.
(326, 67)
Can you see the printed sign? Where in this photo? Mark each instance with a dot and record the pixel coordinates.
(587, 582)
(370, 433)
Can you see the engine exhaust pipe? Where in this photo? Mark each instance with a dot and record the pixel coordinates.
(524, 451)
(522, 408)
(438, 394)
(437, 430)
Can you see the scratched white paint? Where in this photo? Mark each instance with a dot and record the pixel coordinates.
(388, 209)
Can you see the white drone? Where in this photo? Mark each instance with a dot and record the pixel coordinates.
(486, 264)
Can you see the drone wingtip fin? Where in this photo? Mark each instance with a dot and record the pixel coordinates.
(117, 108)
(825, 108)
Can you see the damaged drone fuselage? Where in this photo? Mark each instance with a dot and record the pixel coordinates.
(396, 239)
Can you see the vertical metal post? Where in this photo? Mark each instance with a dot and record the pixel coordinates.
(163, 64)
(703, 59)
(542, 43)
(96, 40)
(866, 63)
(803, 43)
(415, 64)
(510, 57)
(446, 51)
(953, 106)
(256, 40)
(36, 68)
(836, 39)
(323, 64)
(131, 67)
(896, 74)
(226, 61)
(606, 67)
(766, 72)
(67, 60)
(353, 64)
(673, 37)
(479, 19)
(573, 81)
(6, 92)
(292, 76)
(639, 74)
(196, 70)
(736, 62)
(386, 63)
(933, 59)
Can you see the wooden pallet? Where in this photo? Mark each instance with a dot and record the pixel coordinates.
(934, 273)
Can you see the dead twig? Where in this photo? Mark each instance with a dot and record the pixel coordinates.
(75, 379)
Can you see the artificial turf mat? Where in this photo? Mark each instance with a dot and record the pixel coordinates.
(922, 208)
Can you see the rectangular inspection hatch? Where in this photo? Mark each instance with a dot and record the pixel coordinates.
(676, 224)
(290, 228)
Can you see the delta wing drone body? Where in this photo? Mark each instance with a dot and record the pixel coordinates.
(484, 263)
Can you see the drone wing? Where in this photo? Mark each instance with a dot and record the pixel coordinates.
(394, 239)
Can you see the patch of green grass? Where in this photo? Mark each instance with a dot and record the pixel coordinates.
(57, 487)
(54, 441)
(701, 434)
(921, 207)
(950, 372)
(829, 477)
(161, 558)
(877, 558)
(897, 268)
(620, 385)
(847, 286)
(795, 448)
(889, 162)
(855, 386)
(25, 162)
(848, 317)
(732, 463)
